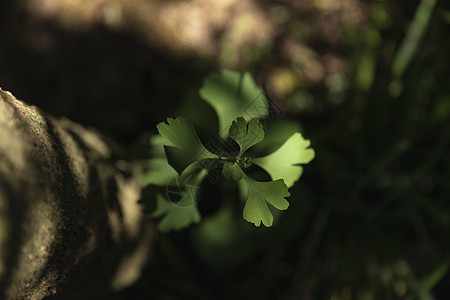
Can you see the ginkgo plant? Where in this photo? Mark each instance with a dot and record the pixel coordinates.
(180, 161)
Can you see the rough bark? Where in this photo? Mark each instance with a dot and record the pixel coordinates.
(69, 218)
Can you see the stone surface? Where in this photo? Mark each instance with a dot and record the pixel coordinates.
(70, 224)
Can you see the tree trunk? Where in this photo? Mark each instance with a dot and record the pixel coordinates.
(70, 224)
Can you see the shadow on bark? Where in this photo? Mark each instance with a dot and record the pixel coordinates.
(72, 218)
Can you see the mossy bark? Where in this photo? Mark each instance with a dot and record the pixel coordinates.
(69, 217)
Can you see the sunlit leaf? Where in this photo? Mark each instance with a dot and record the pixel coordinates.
(233, 95)
(256, 209)
(258, 194)
(275, 134)
(285, 162)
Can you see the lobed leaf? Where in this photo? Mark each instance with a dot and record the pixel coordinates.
(159, 171)
(180, 134)
(233, 95)
(258, 194)
(232, 170)
(176, 215)
(261, 193)
(285, 162)
(246, 134)
(179, 214)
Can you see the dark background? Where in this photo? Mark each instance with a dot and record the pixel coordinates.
(369, 219)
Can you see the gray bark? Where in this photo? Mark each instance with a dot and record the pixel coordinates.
(70, 224)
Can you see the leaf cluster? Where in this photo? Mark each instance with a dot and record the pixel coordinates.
(182, 161)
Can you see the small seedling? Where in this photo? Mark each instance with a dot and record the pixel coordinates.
(180, 162)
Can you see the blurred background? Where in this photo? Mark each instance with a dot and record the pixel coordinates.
(368, 82)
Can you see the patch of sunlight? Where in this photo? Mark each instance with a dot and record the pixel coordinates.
(112, 14)
(283, 81)
(325, 4)
(242, 35)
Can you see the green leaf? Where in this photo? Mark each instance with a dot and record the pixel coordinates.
(246, 134)
(180, 134)
(275, 134)
(178, 214)
(232, 95)
(258, 194)
(285, 162)
(261, 193)
(159, 171)
(232, 170)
